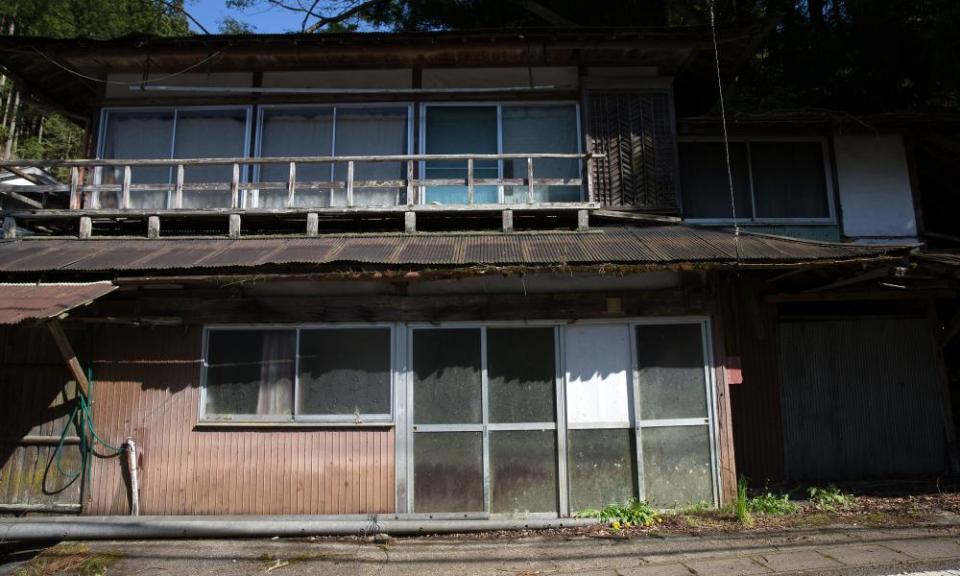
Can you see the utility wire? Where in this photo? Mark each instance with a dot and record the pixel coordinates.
(137, 83)
(726, 139)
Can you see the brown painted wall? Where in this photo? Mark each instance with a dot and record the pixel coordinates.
(147, 385)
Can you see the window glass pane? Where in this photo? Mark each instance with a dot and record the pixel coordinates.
(521, 369)
(670, 362)
(704, 185)
(209, 134)
(602, 467)
(366, 131)
(676, 465)
(540, 129)
(523, 471)
(446, 371)
(789, 180)
(448, 472)
(289, 132)
(250, 372)
(598, 364)
(345, 371)
(139, 134)
(461, 130)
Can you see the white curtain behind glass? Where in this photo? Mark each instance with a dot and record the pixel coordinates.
(287, 132)
(209, 134)
(140, 134)
(371, 131)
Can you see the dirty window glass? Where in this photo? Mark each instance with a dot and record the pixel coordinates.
(521, 368)
(601, 466)
(448, 468)
(250, 373)
(344, 371)
(446, 371)
(676, 465)
(670, 372)
(523, 471)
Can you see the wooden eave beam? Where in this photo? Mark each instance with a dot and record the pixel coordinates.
(69, 356)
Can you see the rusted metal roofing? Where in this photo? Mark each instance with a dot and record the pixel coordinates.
(657, 245)
(19, 302)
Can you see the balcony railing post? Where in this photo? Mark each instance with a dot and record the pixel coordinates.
(529, 180)
(291, 185)
(235, 186)
(178, 188)
(470, 181)
(411, 190)
(589, 167)
(95, 193)
(74, 188)
(125, 189)
(350, 183)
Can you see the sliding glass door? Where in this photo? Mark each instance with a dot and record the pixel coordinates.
(554, 419)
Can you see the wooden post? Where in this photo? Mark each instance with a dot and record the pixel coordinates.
(9, 228)
(350, 183)
(178, 190)
(74, 188)
(583, 219)
(529, 180)
(411, 191)
(60, 339)
(291, 185)
(590, 167)
(125, 189)
(313, 224)
(86, 227)
(508, 220)
(153, 226)
(470, 181)
(410, 222)
(234, 230)
(235, 186)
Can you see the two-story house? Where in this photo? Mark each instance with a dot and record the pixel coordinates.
(480, 275)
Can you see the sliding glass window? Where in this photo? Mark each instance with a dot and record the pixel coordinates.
(188, 132)
(509, 128)
(344, 130)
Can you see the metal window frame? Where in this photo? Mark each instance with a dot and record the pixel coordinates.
(498, 104)
(296, 418)
(175, 110)
(409, 106)
(830, 220)
(405, 427)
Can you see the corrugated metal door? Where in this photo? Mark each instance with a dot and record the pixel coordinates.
(860, 398)
(634, 133)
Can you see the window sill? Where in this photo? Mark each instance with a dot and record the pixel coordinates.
(260, 424)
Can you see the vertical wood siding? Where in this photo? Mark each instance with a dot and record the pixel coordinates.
(147, 385)
(39, 396)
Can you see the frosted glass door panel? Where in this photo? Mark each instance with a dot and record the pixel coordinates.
(598, 368)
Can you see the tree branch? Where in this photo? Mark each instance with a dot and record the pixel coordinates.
(326, 21)
(538, 9)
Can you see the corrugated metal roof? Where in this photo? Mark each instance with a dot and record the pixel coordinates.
(656, 245)
(19, 302)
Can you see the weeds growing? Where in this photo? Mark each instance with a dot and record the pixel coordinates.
(828, 499)
(631, 513)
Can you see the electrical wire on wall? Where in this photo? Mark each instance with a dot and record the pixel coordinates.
(723, 121)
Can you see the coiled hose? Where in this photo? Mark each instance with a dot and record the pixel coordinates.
(81, 418)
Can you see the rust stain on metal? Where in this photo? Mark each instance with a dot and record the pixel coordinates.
(19, 302)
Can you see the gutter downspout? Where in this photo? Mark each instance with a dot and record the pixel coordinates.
(131, 449)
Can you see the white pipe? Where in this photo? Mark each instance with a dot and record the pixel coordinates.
(269, 90)
(159, 527)
(131, 448)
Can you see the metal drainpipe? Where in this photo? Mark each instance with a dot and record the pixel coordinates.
(159, 527)
(131, 449)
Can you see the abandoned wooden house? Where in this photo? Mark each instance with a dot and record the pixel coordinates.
(499, 274)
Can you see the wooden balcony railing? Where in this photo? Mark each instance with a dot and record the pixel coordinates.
(88, 183)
